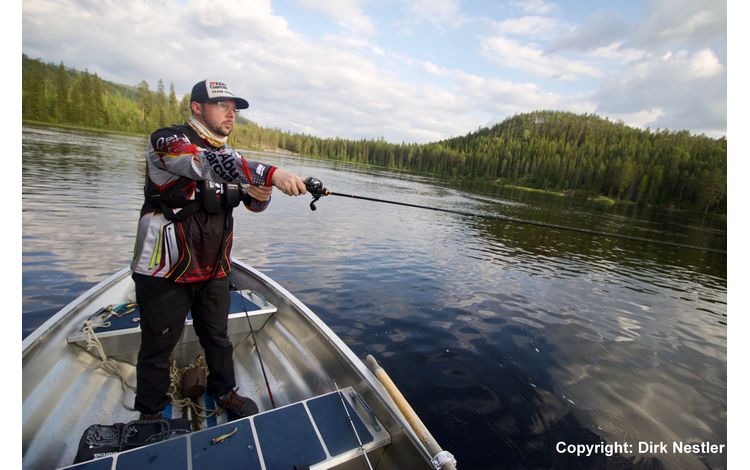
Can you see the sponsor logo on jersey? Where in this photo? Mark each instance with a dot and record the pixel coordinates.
(223, 165)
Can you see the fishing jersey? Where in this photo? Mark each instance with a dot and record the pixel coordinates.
(188, 250)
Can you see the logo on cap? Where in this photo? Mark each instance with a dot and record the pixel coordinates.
(218, 90)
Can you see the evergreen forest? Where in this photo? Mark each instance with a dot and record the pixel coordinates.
(581, 155)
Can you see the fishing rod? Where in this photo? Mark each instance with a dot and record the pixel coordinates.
(257, 348)
(354, 428)
(315, 187)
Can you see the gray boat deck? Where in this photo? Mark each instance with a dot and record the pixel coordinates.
(314, 433)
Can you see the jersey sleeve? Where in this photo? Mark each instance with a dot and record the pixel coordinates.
(255, 205)
(172, 151)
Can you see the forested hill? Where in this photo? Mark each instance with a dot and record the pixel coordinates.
(578, 154)
(588, 154)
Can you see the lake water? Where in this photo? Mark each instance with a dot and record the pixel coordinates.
(506, 339)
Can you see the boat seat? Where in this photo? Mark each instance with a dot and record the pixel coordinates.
(120, 333)
(315, 433)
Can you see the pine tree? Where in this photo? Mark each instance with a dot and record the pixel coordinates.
(33, 93)
(184, 108)
(161, 110)
(98, 113)
(173, 106)
(145, 103)
(61, 94)
(77, 100)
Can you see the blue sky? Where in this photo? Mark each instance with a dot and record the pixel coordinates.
(408, 70)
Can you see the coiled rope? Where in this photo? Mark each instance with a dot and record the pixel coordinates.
(175, 390)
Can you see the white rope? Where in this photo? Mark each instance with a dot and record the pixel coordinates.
(107, 364)
(112, 367)
(175, 388)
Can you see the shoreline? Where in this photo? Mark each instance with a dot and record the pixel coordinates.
(597, 199)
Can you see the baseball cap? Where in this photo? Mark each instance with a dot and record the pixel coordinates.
(211, 91)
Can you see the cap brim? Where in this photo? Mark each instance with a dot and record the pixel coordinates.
(241, 104)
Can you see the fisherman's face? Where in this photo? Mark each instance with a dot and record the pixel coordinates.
(219, 117)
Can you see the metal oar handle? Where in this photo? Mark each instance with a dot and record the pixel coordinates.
(315, 187)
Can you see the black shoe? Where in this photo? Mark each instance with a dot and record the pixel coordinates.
(237, 405)
(152, 417)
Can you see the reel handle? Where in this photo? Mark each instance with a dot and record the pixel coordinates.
(315, 188)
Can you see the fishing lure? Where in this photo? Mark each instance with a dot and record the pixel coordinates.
(223, 437)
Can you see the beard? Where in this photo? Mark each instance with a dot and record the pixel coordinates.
(219, 126)
(218, 129)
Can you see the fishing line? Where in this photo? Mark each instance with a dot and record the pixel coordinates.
(315, 187)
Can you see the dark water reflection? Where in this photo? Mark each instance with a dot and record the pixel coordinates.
(506, 339)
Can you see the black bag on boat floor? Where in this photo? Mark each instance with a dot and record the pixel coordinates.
(100, 440)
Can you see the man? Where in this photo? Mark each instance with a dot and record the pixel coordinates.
(181, 260)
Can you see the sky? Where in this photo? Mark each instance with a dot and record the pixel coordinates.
(408, 70)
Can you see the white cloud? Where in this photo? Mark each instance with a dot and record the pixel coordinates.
(620, 54)
(668, 70)
(642, 118)
(292, 83)
(687, 23)
(347, 13)
(690, 90)
(500, 98)
(344, 84)
(599, 29)
(704, 63)
(531, 59)
(439, 13)
(538, 27)
(328, 87)
(352, 43)
(537, 7)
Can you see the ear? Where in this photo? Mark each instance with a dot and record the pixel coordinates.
(196, 108)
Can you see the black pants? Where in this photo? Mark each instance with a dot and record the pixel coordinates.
(164, 306)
